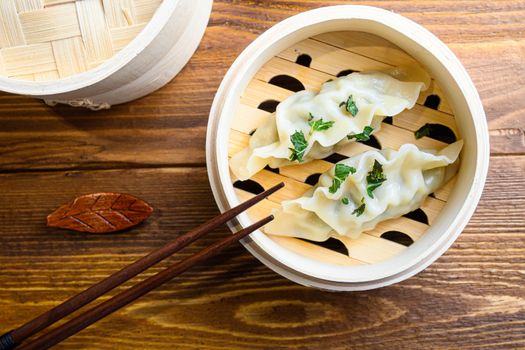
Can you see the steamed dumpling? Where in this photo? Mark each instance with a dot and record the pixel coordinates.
(310, 125)
(359, 192)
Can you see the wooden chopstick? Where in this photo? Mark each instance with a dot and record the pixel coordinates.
(18, 335)
(122, 299)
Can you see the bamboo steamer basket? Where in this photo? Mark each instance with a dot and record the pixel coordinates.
(96, 53)
(303, 52)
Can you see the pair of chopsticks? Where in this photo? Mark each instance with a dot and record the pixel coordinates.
(15, 337)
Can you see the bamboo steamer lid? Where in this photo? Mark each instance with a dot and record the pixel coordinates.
(96, 53)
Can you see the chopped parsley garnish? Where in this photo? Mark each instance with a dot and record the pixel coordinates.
(319, 124)
(364, 136)
(340, 174)
(350, 106)
(423, 131)
(299, 146)
(360, 209)
(375, 178)
(345, 200)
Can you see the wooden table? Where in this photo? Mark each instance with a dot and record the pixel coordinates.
(472, 297)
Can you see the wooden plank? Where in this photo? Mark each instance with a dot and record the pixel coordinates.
(476, 291)
(300, 172)
(2, 65)
(11, 33)
(472, 297)
(258, 91)
(368, 45)
(21, 60)
(330, 59)
(70, 56)
(248, 118)
(444, 191)
(434, 89)
(40, 26)
(507, 140)
(432, 207)
(95, 32)
(392, 137)
(311, 79)
(292, 190)
(314, 251)
(372, 249)
(412, 228)
(504, 111)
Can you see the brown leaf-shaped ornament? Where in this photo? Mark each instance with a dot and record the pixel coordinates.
(100, 213)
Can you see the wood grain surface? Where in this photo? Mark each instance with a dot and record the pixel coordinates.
(472, 297)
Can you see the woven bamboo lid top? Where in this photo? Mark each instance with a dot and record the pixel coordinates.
(52, 39)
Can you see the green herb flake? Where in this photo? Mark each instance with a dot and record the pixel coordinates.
(360, 209)
(340, 174)
(375, 178)
(364, 136)
(345, 200)
(423, 131)
(350, 106)
(319, 124)
(299, 146)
